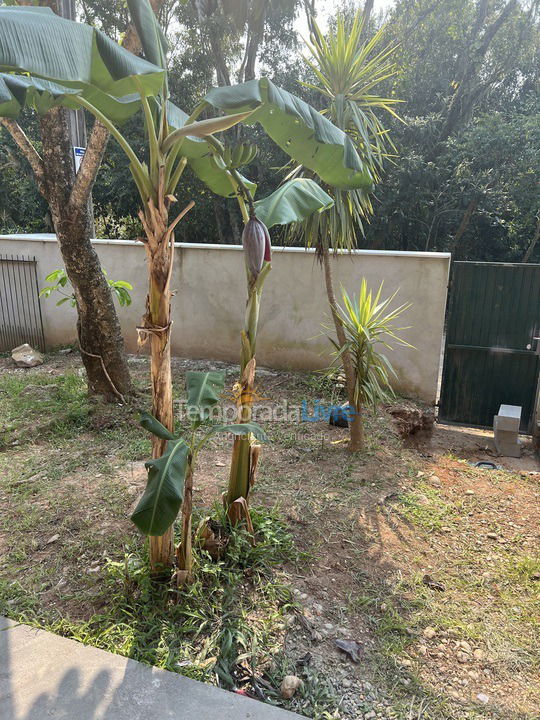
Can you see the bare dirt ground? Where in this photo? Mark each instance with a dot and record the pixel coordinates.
(427, 566)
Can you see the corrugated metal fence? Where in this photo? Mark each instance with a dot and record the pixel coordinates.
(20, 311)
(492, 347)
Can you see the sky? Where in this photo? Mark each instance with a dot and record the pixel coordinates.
(325, 9)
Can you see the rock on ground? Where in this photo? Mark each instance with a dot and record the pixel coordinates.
(25, 356)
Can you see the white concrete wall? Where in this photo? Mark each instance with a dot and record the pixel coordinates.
(208, 307)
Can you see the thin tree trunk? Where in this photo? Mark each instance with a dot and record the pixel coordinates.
(366, 16)
(532, 245)
(159, 245)
(470, 66)
(100, 338)
(158, 322)
(356, 426)
(184, 558)
(161, 548)
(464, 224)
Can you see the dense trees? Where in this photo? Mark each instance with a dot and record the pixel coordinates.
(468, 154)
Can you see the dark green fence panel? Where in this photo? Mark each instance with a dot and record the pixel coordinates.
(490, 356)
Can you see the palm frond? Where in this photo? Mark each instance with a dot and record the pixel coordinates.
(369, 326)
(347, 70)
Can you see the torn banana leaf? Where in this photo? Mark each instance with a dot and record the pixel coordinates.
(300, 130)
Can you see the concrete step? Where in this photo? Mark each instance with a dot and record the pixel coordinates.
(47, 677)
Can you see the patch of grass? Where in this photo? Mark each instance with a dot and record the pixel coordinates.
(425, 507)
(51, 405)
(227, 622)
(316, 698)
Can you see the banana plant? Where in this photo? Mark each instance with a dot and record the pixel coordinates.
(85, 69)
(296, 198)
(170, 476)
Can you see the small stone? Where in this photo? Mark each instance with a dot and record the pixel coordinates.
(317, 609)
(328, 627)
(52, 539)
(422, 649)
(26, 356)
(465, 646)
(369, 715)
(346, 683)
(462, 657)
(483, 698)
(492, 535)
(478, 654)
(289, 685)
(405, 662)
(469, 492)
(429, 633)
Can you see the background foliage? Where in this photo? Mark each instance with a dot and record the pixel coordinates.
(465, 175)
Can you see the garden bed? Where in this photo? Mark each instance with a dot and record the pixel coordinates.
(428, 563)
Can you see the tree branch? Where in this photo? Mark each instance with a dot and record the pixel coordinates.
(28, 150)
(535, 239)
(91, 162)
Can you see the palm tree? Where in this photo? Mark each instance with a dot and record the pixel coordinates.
(347, 69)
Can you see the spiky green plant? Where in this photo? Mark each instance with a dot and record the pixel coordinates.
(370, 326)
(348, 70)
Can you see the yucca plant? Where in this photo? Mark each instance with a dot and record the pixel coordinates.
(348, 68)
(369, 326)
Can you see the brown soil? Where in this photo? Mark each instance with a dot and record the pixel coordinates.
(371, 528)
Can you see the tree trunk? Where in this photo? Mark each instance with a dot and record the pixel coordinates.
(533, 242)
(100, 339)
(464, 224)
(161, 548)
(184, 559)
(158, 323)
(366, 16)
(471, 64)
(159, 244)
(356, 426)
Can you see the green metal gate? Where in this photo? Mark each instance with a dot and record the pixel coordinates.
(491, 355)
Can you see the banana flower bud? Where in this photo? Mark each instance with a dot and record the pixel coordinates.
(256, 244)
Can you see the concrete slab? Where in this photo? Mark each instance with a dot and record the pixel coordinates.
(47, 677)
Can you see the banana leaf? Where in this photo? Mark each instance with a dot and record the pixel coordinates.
(162, 499)
(20, 91)
(153, 41)
(199, 155)
(294, 201)
(62, 59)
(203, 392)
(300, 130)
(152, 424)
(39, 42)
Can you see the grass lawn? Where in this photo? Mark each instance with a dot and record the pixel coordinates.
(430, 564)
